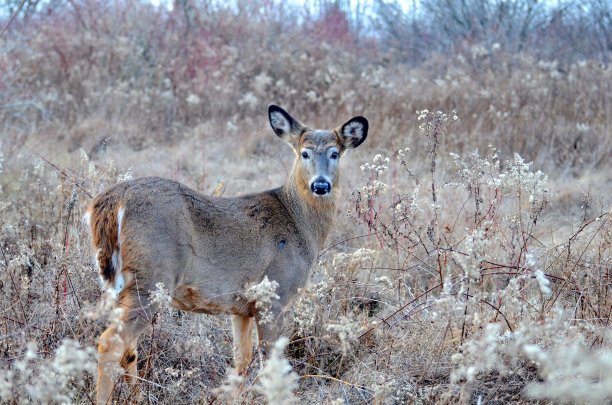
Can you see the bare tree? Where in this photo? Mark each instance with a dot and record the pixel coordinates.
(568, 30)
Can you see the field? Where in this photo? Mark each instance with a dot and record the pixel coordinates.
(471, 257)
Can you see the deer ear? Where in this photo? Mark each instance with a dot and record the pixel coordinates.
(354, 132)
(284, 125)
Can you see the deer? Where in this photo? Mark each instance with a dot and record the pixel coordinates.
(207, 250)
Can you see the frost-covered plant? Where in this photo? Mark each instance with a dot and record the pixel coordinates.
(434, 126)
(277, 380)
(519, 178)
(161, 297)
(472, 173)
(371, 172)
(347, 332)
(55, 380)
(365, 198)
(573, 373)
(353, 262)
(230, 390)
(262, 295)
(479, 354)
(306, 311)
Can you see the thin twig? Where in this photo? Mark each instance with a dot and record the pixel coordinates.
(13, 17)
(62, 172)
(335, 379)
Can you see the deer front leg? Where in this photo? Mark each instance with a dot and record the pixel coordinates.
(242, 328)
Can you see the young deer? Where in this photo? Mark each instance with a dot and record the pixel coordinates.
(208, 250)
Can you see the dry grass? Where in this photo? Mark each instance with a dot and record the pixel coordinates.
(456, 272)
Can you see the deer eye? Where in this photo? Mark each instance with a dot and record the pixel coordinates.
(305, 155)
(334, 155)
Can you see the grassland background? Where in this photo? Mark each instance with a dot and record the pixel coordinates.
(495, 288)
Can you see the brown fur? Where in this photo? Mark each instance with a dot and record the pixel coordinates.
(189, 298)
(206, 250)
(104, 225)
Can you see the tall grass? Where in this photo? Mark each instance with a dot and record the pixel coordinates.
(471, 255)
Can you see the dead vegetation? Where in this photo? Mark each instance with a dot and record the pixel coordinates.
(457, 271)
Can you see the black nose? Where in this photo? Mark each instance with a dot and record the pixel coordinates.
(320, 187)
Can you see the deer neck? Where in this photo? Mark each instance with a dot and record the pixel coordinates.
(312, 213)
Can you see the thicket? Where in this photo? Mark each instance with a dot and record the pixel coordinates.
(472, 253)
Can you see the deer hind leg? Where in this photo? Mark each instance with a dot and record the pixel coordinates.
(269, 331)
(242, 328)
(117, 347)
(129, 362)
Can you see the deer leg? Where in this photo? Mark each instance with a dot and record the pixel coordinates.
(242, 328)
(129, 362)
(117, 347)
(268, 332)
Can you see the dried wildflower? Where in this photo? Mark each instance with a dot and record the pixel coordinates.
(263, 294)
(581, 127)
(161, 297)
(543, 282)
(519, 178)
(277, 379)
(260, 83)
(193, 99)
(57, 380)
(384, 281)
(478, 355)
(249, 100)
(126, 176)
(352, 262)
(346, 330)
(304, 313)
(71, 201)
(116, 318)
(372, 172)
(230, 390)
(39, 170)
(93, 172)
(422, 114)
(231, 127)
(572, 373)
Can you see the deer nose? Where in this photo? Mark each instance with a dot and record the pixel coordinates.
(320, 187)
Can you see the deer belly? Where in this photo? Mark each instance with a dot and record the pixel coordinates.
(190, 298)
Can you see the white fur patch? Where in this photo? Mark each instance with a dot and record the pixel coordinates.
(97, 259)
(353, 130)
(279, 121)
(119, 284)
(116, 258)
(120, 213)
(117, 262)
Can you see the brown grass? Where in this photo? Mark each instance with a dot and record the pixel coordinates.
(428, 289)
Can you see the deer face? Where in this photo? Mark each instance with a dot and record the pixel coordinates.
(318, 151)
